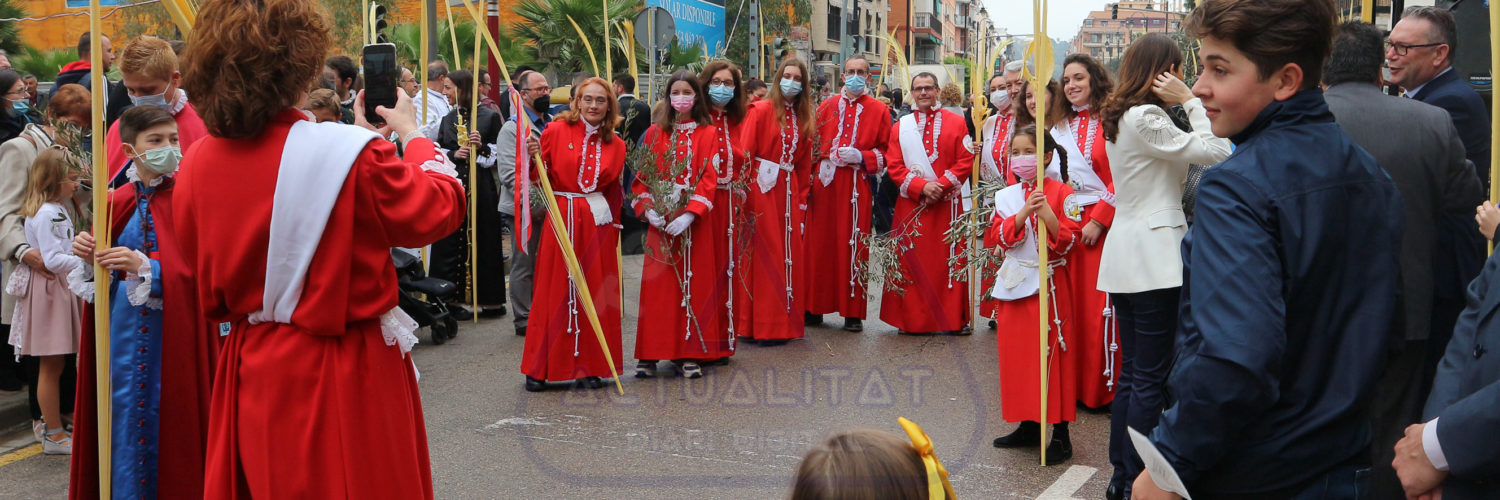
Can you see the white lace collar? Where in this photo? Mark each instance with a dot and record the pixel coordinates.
(134, 176)
(687, 126)
(589, 129)
(182, 102)
(1077, 109)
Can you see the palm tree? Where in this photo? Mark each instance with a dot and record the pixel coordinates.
(10, 39)
(550, 39)
(408, 38)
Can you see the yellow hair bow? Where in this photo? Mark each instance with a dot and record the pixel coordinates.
(938, 486)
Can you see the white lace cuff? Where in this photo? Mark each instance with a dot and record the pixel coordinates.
(81, 281)
(138, 285)
(440, 164)
(398, 329)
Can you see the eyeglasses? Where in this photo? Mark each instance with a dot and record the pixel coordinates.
(544, 90)
(1403, 49)
(593, 100)
(924, 88)
(721, 81)
(18, 93)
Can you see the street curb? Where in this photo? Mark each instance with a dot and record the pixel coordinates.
(14, 409)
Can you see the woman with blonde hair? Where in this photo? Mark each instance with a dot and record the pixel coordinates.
(778, 133)
(287, 227)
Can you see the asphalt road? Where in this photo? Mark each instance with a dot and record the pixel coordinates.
(739, 432)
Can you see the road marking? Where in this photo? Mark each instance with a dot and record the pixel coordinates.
(1065, 486)
(21, 454)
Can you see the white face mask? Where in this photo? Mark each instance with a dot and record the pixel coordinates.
(1000, 99)
(162, 160)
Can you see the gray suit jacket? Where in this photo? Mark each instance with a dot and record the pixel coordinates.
(1466, 394)
(1417, 145)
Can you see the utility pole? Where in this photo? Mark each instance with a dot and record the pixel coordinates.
(432, 48)
(754, 42)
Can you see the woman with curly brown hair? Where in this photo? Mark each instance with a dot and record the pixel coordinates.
(314, 394)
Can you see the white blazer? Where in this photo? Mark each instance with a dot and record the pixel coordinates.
(1149, 160)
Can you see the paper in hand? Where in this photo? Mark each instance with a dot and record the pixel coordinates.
(1161, 471)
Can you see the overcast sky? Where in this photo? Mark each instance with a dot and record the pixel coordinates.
(1063, 20)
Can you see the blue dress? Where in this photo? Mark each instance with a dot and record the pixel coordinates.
(135, 362)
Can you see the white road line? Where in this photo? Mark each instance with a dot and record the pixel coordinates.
(1065, 486)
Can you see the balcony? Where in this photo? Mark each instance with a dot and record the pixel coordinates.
(929, 21)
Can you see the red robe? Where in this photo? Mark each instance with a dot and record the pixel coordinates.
(1096, 371)
(190, 128)
(997, 141)
(838, 214)
(1017, 337)
(728, 219)
(931, 301)
(560, 342)
(190, 347)
(664, 332)
(769, 300)
(320, 407)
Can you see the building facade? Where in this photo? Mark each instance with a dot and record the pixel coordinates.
(1106, 33)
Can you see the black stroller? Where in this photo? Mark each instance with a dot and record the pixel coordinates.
(433, 311)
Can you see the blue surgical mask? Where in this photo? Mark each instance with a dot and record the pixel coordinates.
(790, 87)
(721, 94)
(854, 84)
(161, 160)
(20, 106)
(158, 100)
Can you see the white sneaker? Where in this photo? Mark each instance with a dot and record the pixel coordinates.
(37, 428)
(61, 447)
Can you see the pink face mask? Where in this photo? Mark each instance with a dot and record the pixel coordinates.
(682, 103)
(1024, 166)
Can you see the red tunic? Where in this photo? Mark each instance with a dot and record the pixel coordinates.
(320, 407)
(998, 144)
(838, 214)
(727, 220)
(1017, 337)
(770, 293)
(190, 128)
(560, 342)
(189, 351)
(931, 300)
(664, 332)
(1096, 378)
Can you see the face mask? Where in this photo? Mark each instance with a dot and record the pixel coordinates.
(854, 84)
(682, 103)
(1024, 166)
(161, 160)
(1000, 99)
(790, 87)
(158, 100)
(721, 94)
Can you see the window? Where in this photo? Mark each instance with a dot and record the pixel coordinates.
(835, 22)
(1088, 22)
(1103, 22)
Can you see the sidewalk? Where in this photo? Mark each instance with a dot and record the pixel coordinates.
(14, 415)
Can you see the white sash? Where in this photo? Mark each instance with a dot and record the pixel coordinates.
(988, 169)
(1018, 277)
(1088, 188)
(314, 165)
(916, 156)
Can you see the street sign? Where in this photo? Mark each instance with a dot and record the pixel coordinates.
(698, 22)
(664, 28)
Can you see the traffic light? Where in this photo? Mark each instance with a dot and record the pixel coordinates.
(1114, 11)
(377, 12)
(779, 48)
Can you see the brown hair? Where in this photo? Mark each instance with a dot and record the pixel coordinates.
(48, 172)
(248, 60)
(71, 101)
(1055, 104)
(665, 116)
(861, 464)
(735, 109)
(1149, 56)
(139, 119)
(1271, 33)
(324, 99)
(951, 95)
(801, 104)
(1100, 84)
(149, 56)
(611, 117)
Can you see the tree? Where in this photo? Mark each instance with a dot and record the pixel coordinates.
(408, 40)
(778, 17)
(10, 36)
(44, 65)
(551, 40)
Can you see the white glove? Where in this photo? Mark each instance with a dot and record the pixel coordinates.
(681, 224)
(655, 219)
(850, 156)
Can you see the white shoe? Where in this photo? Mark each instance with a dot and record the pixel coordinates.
(61, 447)
(38, 427)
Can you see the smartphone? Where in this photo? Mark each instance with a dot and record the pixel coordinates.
(381, 79)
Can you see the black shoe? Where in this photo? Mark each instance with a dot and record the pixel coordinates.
(810, 319)
(1060, 448)
(772, 343)
(1027, 434)
(1114, 492)
(748, 340)
(520, 331)
(459, 313)
(534, 385)
(992, 324)
(962, 332)
(492, 312)
(596, 382)
(854, 325)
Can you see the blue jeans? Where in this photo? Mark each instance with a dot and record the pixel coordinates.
(1148, 331)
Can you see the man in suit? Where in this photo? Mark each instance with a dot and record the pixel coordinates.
(1419, 52)
(1426, 160)
(1452, 454)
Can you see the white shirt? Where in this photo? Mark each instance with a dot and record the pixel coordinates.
(437, 108)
